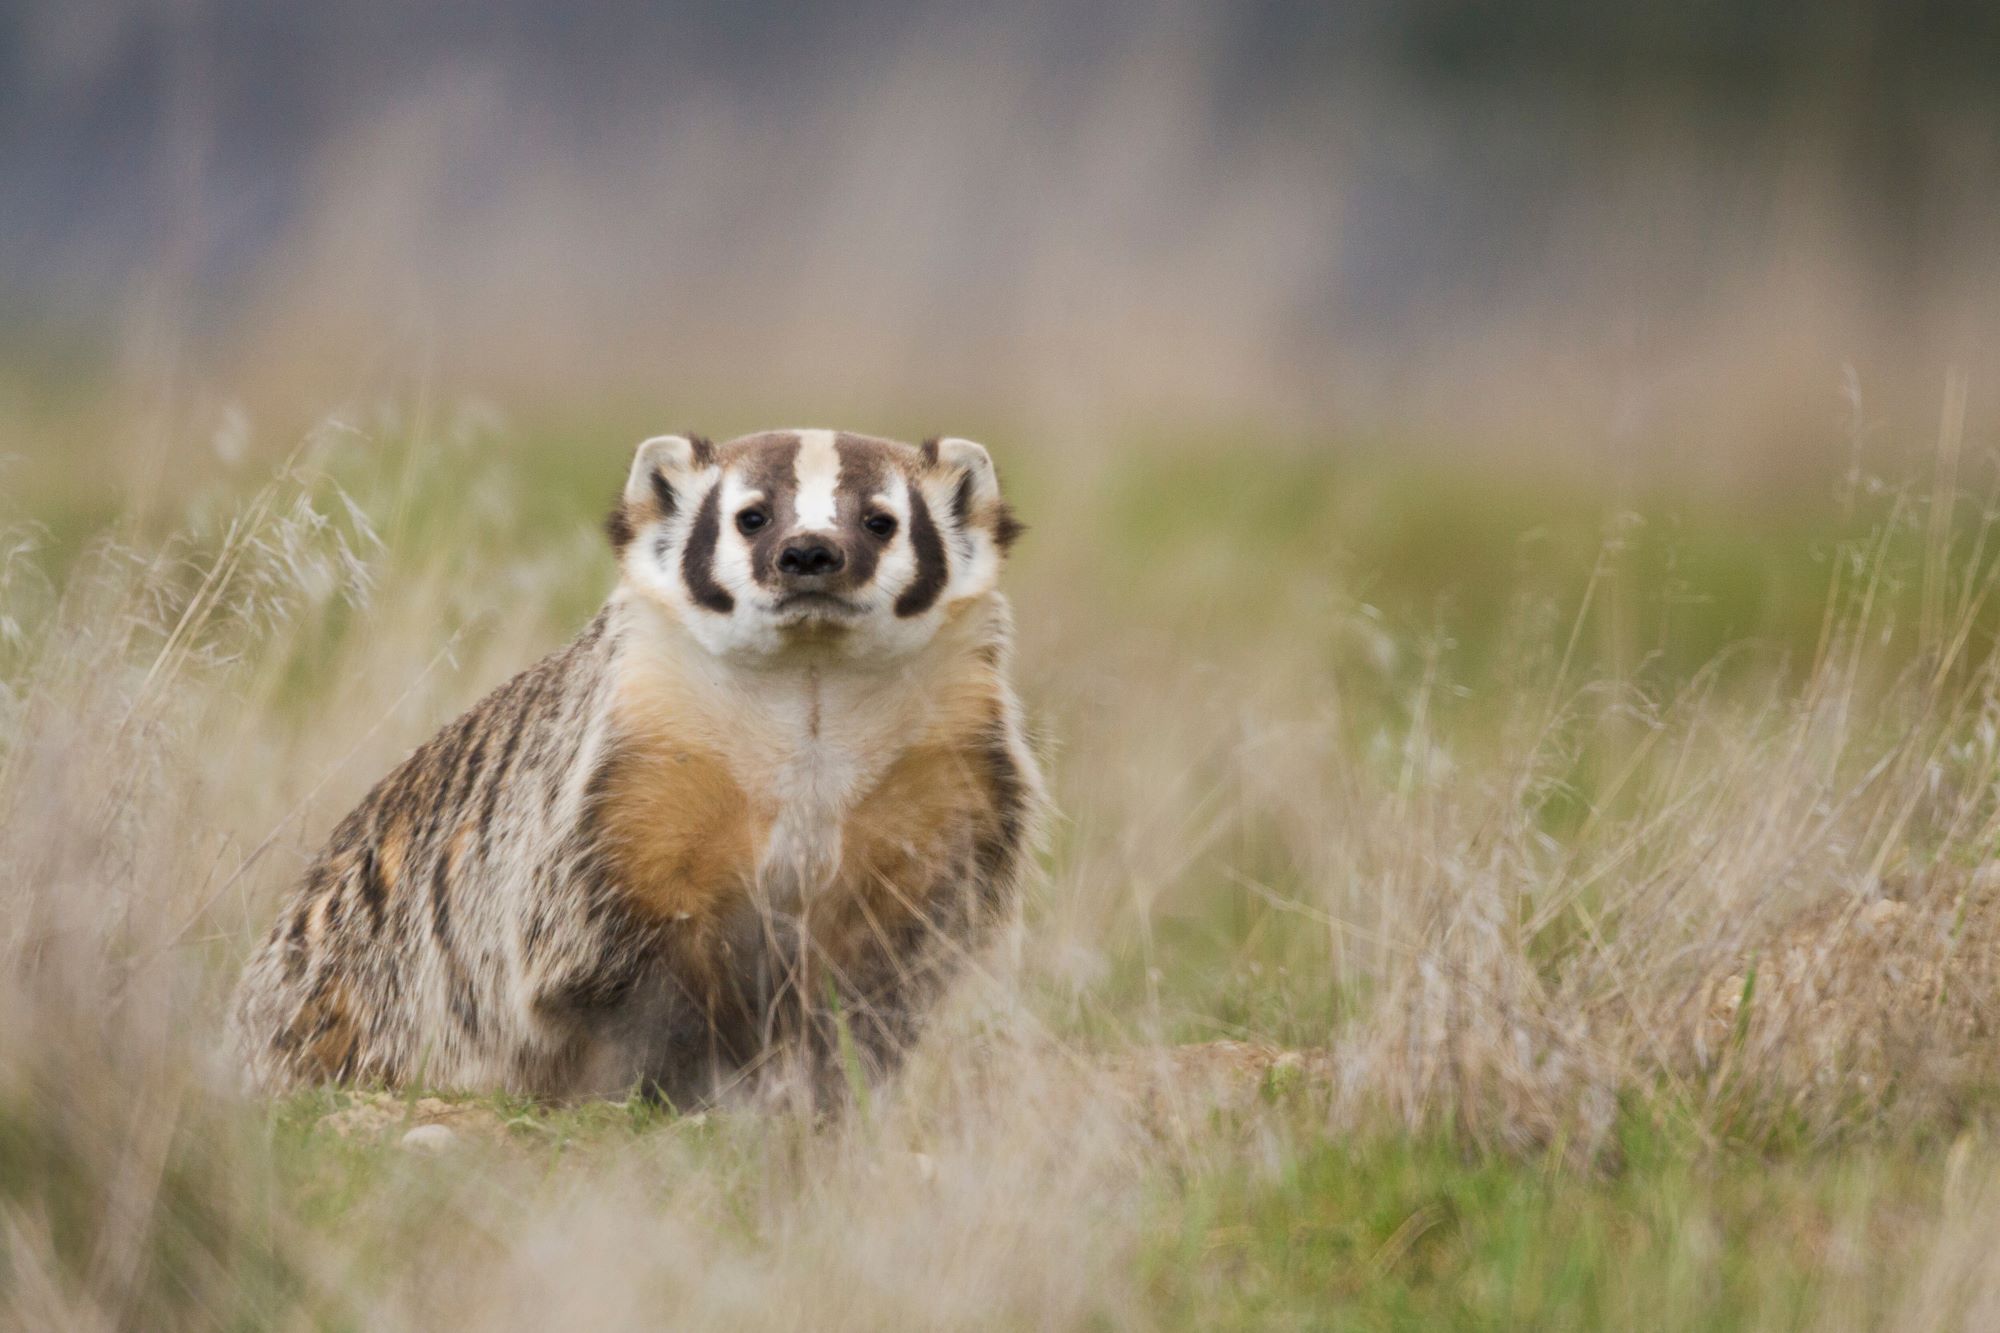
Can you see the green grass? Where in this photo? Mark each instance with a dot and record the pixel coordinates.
(1390, 1232)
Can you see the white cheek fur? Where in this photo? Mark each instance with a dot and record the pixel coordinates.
(732, 549)
(897, 568)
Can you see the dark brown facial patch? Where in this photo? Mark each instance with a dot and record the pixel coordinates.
(923, 591)
(864, 473)
(768, 463)
(698, 557)
(865, 463)
(618, 527)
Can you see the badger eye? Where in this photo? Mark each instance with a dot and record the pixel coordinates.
(750, 520)
(882, 525)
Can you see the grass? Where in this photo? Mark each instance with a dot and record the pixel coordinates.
(1409, 1233)
(1264, 1219)
(1613, 869)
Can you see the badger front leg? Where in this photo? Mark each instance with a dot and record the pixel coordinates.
(626, 1022)
(855, 998)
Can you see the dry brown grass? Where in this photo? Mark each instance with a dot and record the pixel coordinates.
(1751, 907)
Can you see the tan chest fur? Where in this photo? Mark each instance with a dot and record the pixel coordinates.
(682, 831)
(847, 814)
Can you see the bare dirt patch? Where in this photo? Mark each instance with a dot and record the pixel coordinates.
(380, 1115)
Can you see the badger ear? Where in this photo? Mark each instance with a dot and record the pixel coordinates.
(967, 469)
(970, 469)
(659, 463)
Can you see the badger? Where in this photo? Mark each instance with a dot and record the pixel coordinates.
(749, 823)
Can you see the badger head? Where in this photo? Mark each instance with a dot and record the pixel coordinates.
(811, 539)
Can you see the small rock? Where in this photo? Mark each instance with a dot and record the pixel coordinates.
(430, 1139)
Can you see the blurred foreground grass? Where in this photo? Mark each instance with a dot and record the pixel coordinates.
(1613, 864)
(1257, 1218)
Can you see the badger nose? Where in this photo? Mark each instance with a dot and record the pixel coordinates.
(808, 556)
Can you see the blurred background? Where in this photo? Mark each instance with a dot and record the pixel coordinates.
(1643, 239)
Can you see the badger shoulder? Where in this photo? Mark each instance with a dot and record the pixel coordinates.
(400, 892)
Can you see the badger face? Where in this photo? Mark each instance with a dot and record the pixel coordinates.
(811, 539)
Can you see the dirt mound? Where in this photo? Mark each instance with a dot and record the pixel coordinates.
(378, 1115)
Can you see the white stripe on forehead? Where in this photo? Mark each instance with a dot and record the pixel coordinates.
(818, 471)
